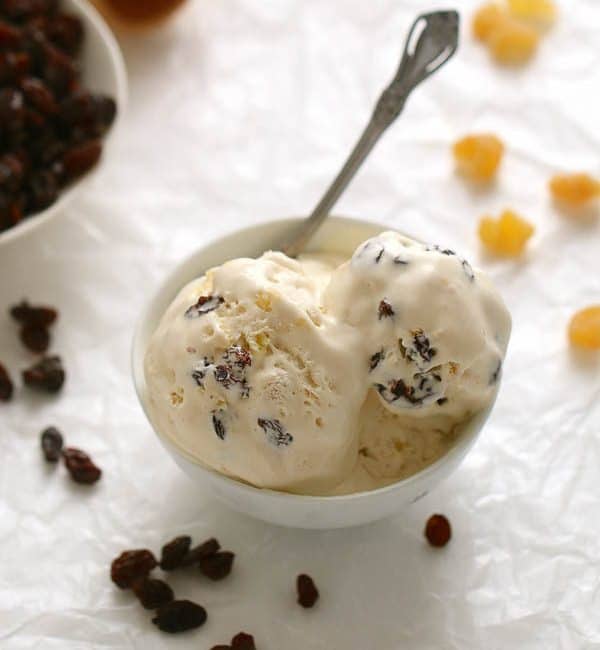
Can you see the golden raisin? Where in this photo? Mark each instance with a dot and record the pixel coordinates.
(513, 42)
(506, 235)
(487, 19)
(574, 189)
(478, 156)
(540, 11)
(584, 328)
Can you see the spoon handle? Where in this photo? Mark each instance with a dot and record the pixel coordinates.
(431, 42)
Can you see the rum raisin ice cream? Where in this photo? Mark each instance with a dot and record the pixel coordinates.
(324, 376)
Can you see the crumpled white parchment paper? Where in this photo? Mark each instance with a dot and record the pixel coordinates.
(241, 111)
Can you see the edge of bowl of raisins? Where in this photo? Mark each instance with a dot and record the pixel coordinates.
(63, 89)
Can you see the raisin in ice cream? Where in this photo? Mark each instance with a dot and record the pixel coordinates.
(325, 376)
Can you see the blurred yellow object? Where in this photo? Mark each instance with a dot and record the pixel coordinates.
(513, 42)
(540, 11)
(584, 328)
(134, 13)
(487, 19)
(478, 156)
(574, 190)
(507, 235)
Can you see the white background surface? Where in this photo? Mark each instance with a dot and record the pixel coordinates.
(241, 111)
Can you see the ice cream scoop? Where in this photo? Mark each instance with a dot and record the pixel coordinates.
(320, 377)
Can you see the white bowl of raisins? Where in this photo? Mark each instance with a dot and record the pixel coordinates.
(62, 88)
(337, 235)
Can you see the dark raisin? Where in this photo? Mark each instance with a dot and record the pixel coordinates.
(63, 30)
(376, 359)
(38, 95)
(10, 36)
(441, 401)
(58, 70)
(201, 551)
(308, 594)
(238, 356)
(275, 432)
(42, 190)
(106, 110)
(6, 385)
(173, 552)
(52, 444)
(217, 566)
(46, 375)
(81, 467)
(179, 616)
(27, 314)
(12, 173)
(35, 338)
(131, 566)
(23, 9)
(218, 424)
(437, 530)
(81, 158)
(385, 309)
(12, 111)
(152, 593)
(496, 373)
(468, 269)
(203, 305)
(243, 641)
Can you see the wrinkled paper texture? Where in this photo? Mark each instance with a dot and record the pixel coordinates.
(241, 111)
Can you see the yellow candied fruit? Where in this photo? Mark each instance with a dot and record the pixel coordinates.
(574, 189)
(584, 328)
(505, 236)
(487, 19)
(478, 156)
(264, 301)
(540, 11)
(259, 342)
(513, 42)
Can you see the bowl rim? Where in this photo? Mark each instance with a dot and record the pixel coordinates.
(93, 18)
(467, 438)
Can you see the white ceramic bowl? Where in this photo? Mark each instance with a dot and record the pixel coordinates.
(103, 71)
(337, 235)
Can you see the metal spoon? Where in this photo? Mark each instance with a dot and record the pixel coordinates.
(431, 42)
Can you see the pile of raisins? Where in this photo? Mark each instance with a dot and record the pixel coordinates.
(131, 570)
(50, 125)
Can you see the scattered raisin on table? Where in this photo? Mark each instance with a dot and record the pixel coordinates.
(131, 566)
(179, 616)
(243, 641)
(27, 314)
(217, 566)
(6, 385)
(173, 552)
(52, 444)
(46, 375)
(438, 530)
(204, 550)
(152, 593)
(35, 338)
(308, 594)
(81, 467)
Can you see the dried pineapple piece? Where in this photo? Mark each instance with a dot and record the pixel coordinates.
(584, 328)
(478, 156)
(507, 235)
(574, 190)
